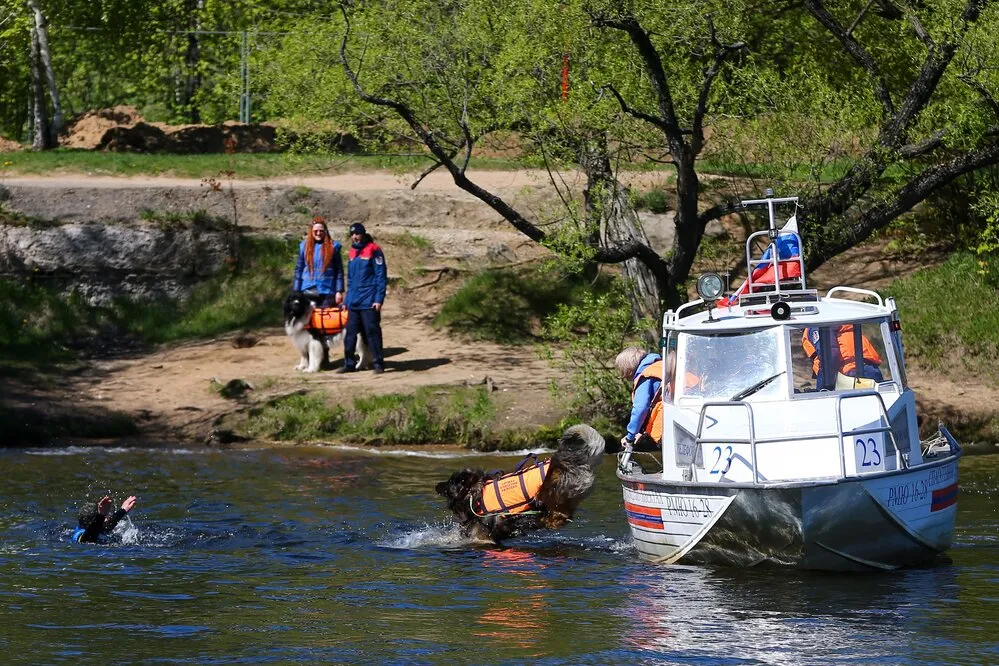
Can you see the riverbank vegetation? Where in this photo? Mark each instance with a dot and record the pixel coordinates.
(39, 321)
(432, 414)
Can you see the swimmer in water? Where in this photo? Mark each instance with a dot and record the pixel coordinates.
(97, 520)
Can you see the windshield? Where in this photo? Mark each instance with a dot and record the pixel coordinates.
(732, 367)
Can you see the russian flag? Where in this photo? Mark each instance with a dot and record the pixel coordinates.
(788, 256)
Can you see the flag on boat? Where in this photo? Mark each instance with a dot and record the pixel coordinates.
(788, 259)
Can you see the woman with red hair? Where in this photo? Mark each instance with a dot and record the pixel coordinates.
(319, 271)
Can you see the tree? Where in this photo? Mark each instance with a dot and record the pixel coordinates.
(454, 74)
(46, 133)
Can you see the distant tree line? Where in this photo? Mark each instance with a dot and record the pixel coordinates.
(866, 108)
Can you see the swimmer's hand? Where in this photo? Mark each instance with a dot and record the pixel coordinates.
(128, 503)
(104, 505)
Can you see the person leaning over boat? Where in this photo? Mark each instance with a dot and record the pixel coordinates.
(844, 354)
(645, 372)
(319, 270)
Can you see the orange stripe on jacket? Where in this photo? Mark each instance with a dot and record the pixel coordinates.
(328, 320)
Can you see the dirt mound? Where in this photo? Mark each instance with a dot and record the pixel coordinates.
(8, 146)
(87, 130)
(123, 129)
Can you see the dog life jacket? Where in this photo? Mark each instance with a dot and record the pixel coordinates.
(512, 493)
(653, 425)
(328, 321)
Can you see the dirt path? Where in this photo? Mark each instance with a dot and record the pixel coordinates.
(171, 391)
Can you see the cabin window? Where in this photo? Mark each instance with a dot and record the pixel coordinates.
(731, 367)
(823, 358)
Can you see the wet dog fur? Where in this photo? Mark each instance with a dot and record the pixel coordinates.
(569, 480)
(313, 346)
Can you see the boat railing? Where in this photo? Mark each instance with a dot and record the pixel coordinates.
(753, 441)
(857, 290)
(883, 419)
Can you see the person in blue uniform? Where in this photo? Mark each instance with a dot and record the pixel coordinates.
(319, 269)
(367, 278)
(96, 520)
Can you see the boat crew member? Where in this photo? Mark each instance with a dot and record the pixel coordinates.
(645, 372)
(96, 520)
(843, 354)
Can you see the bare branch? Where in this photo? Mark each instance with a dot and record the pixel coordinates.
(857, 52)
(860, 17)
(641, 115)
(656, 73)
(721, 51)
(983, 92)
(927, 145)
(916, 190)
(917, 26)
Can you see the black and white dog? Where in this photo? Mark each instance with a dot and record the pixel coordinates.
(313, 331)
(565, 480)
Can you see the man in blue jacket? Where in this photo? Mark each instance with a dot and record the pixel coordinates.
(367, 277)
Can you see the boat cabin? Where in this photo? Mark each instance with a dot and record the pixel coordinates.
(776, 383)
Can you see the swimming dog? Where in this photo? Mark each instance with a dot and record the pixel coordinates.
(314, 330)
(494, 507)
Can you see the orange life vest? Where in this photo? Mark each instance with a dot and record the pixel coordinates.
(513, 492)
(653, 425)
(328, 321)
(844, 343)
(846, 350)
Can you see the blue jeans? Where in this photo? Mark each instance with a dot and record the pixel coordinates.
(370, 322)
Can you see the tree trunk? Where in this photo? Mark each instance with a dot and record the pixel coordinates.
(40, 119)
(46, 63)
(609, 206)
(192, 57)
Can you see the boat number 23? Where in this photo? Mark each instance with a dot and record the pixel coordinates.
(871, 456)
(723, 460)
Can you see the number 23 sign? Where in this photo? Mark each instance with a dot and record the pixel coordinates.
(870, 454)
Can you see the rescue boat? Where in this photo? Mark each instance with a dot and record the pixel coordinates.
(787, 449)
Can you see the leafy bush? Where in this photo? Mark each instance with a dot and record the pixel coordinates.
(585, 338)
(655, 201)
(433, 414)
(950, 315)
(506, 307)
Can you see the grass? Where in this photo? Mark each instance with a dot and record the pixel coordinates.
(438, 414)
(432, 415)
(501, 305)
(245, 165)
(38, 321)
(950, 315)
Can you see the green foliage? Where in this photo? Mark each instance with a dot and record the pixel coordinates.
(504, 306)
(409, 240)
(433, 414)
(950, 316)
(654, 201)
(37, 320)
(584, 338)
(987, 248)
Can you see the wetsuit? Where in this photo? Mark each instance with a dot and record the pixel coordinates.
(93, 525)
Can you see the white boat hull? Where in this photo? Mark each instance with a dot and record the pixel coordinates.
(883, 521)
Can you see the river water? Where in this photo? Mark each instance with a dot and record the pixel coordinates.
(326, 555)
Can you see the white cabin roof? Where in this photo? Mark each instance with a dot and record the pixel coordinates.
(823, 311)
